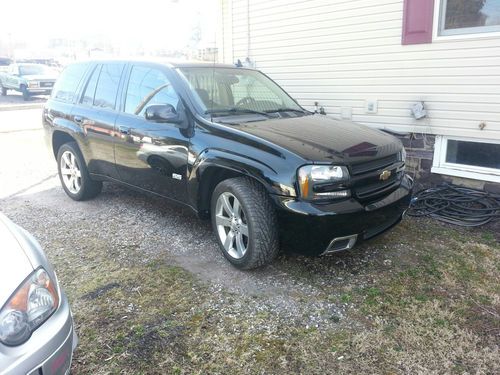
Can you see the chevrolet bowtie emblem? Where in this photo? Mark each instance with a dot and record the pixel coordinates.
(385, 175)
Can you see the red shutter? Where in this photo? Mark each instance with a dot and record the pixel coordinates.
(417, 21)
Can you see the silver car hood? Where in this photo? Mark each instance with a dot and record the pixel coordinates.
(38, 77)
(15, 262)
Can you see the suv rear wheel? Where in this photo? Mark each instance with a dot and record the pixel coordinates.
(244, 220)
(74, 175)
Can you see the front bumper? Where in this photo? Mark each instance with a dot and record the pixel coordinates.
(309, 228)
(48, 351)
(36, 90)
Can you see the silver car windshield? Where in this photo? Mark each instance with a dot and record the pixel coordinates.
(237, 91)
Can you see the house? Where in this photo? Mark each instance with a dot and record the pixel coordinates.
(427, 70)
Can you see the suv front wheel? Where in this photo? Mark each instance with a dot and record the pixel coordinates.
(74, 175)
(244, 220)
(25, 92)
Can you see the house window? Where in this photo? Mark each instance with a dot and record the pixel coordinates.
(470, 158)
(469, 16)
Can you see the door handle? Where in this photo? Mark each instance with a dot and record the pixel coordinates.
(124, 130)
(78, 119)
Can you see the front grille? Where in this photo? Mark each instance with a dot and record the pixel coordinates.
(367, 185)
(46, 84)
(373, 164)
(378, 188)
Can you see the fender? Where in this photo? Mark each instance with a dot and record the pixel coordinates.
(21, 81)
(67, 126)
(238, 164)
(64, 125)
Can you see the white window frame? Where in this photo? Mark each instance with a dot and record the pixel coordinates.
(439, 34)
(441, 166)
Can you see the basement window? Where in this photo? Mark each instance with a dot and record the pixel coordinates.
(470, 158)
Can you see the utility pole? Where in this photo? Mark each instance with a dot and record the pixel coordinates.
(11, 49)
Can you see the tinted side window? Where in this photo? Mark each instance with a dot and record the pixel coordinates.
(148, 86)
(88, 94)
(107, 86)
(67, 84)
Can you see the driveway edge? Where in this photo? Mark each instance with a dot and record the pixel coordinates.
(15, 107)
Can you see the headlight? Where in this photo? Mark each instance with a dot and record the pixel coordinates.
(323, 182)
(30, 305)
(33, 84)
(402, 155)
(402, 158)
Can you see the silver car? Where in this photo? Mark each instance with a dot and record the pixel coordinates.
(36, 325)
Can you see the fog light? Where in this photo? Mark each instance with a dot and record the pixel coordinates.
(333, 194)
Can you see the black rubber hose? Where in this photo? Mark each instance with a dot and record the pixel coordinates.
(456, 205)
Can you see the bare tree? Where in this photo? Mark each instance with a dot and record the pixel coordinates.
(464, 13)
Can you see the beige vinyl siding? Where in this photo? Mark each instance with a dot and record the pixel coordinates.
(224, 39)
(342, 53)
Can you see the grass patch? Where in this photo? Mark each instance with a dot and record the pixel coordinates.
(434, 307)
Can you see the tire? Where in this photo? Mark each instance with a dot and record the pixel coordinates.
(74, 175)
(25, 92)
(3, 90)
(253, 214)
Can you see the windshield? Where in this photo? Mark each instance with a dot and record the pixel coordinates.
(34, 69)
(235, 91)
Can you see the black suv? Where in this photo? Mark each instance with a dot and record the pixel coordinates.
(232, 145)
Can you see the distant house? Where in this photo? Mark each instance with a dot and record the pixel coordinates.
(372, 61)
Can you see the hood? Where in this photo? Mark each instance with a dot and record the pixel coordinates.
(321, 139)
(15, 264)
(39, 77)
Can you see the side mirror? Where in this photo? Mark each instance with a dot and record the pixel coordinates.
(163, 113)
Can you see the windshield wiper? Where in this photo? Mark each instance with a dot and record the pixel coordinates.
(238, 110)
(286, 110)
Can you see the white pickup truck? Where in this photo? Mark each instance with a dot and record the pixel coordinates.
(29, 79)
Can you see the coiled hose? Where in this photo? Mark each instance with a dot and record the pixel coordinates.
(456, 205)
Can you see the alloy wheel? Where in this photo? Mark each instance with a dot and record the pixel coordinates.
(232, 225)
(70, 172)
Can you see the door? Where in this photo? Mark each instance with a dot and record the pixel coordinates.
(12, 79)
(95, 113)
(151, 155)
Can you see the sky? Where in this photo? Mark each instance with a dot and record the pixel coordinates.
(166, 23)
(492, 9)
